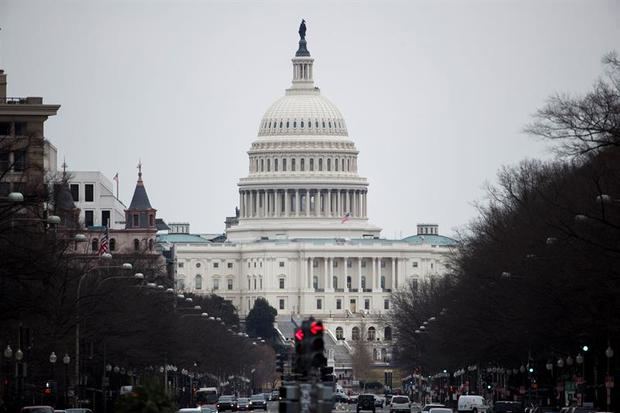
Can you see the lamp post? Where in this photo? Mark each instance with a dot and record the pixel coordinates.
(125, 266)
(66, 359)
(8, 354)
(609, 353)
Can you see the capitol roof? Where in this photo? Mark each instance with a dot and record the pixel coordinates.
(429, 239)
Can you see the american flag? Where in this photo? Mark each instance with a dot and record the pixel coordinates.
(103, 244)
(345, 218)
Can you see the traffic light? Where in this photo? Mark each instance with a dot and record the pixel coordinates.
(316, 345)
(299, 365)
(280, 362)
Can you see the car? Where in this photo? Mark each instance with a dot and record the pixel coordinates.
(243, 403)
(227, 402)
(379, 401)
(190, 410)
(37, 409)
(416, 408)
(274, 396)
(366, 402)
(440, 410)
(340, 398)
(400, 404)
(78, 410)
(257, 402)
(59, 411)
(428, 407)
(353, 398)
(508, 406)
(472, 404)
(207, 409)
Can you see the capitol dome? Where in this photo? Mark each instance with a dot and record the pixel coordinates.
(303, 179)
(306, 113)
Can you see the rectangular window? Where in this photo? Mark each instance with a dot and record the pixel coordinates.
(230, 284)
(338, 304)
(284, 164)
(180, 265)
(281, 264)
(4, 162)
(20, 128)
(229, 265)
(216, 284)
(75, 192)
(89, 192)
(136, 220)
(363, 263)
(386, 304)
(89, 218)
(249, 285)
(366, 303)
(281, 304)
(5, 128)
(105, 218)
(5, 188)
(261, 283)
(319, 304)
(415, 264)
(19, 161)
(255, 283)
(216, 265)
(414, 284)
(281, 283)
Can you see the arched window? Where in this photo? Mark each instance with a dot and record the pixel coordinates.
(309, 124)
(339, 333)
(284, 164)
(150, 245)
(320, 164)
(311, 164)
(363, 282)
(387, 333)
(336, 164)
(349, 282)
(316, 123)
(95, 244)
(383, 282)
(349, 165)
(335, 282)
(302, 165)
(293, 164)
(342, 165)
(302, 124)
(323, 124)
(112, 244)
(198, 282)
(262, 165)
(330, 123)
(372, 333)
(329, 164)
(280, 124)
(275, 165)
(136, 244)
(375, 354)
(287, 124)
(315, 282)
(268, 165)
(355, 333)
(383, 354)
(294, 124)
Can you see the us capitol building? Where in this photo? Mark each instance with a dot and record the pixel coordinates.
(303, 239)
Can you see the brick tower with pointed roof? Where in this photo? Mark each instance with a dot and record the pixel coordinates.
(140, 214)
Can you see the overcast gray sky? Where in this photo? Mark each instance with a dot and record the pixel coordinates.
(434, 93)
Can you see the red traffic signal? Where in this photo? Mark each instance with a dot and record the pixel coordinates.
(316, 327)
(299, 335)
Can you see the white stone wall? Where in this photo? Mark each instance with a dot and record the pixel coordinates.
(104, 198)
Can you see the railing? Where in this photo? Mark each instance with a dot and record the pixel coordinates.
(18, 100)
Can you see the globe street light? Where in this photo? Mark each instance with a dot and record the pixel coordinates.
(53, 359)
(66, 360)
(8, 352)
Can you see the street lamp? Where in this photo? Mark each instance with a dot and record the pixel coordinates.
(66, 360)
(8, 352)
(53, 359)
(16, 197)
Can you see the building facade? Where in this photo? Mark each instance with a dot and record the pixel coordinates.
(93, 194)
(303, 239)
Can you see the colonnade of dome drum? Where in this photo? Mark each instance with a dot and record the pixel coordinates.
(303, 202)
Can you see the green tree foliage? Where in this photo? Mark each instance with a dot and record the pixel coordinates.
(149, 398)
(259, 321)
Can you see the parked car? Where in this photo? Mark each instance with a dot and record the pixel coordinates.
(379, 401)
(243, 403)
(353, 398)
(78, 410)
(207, 409)
(340, 398)
(190, 410)
(416, 408)
(366, 402)
(400, 404)
(440, 410)
(37, 409)
(257, 402)
(472, 404)
(226, 403)
(429, 406)
(508, 406)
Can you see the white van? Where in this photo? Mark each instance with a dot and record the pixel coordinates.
(473, 404)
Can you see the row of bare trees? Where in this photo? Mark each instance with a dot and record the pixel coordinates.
(537, 274)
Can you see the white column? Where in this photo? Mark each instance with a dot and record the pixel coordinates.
(276, 194)
(346, 274)
(328, 210)
(297, 202)
(347, 200)
(373, 281)
(317, 203)
(307, 203)
(393, 283)
(359, 204)
(311, 278)
(252, 210)
(359, 274)
(331, 274)
(286, 211)
(326, 274)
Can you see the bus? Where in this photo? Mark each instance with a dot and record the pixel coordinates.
(206, 395)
